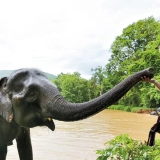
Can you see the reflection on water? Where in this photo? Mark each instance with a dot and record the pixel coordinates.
(79, 140)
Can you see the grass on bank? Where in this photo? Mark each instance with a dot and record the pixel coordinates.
(125, 148)
(130, 109)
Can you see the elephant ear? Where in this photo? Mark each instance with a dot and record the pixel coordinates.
(5, 103)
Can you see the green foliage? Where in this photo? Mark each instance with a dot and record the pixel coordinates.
(116, 107)
(93, 88)
(73, 87)
(128, 50)
(98, 78)
(129, 108)
(120, 107)
(76, 89)
(135, 49)
(150, 96)
(125, 148)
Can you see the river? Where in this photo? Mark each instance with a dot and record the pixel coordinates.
(79, 140)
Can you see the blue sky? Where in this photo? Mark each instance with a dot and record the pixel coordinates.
(65, 36)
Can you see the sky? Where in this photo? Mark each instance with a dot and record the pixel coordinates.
(65, 35)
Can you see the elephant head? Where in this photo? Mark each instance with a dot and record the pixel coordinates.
(36, 101)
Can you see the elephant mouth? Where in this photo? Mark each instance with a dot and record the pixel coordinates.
(50, 124)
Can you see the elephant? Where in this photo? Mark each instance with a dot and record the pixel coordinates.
(10, 130)
(35, 101)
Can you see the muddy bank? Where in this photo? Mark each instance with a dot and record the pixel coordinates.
(145, 111)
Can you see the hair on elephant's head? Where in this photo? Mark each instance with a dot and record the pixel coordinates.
(36, 101)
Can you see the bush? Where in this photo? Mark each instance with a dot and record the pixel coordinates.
(127, 109)
(125, 148)
(130, 109)
(135, 109)
(120, 107)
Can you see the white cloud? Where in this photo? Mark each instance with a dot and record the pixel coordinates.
(65, 36)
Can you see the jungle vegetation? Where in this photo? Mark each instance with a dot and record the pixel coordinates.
(137, 48)
(123, 147)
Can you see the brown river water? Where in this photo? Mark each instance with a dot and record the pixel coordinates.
(79, 140)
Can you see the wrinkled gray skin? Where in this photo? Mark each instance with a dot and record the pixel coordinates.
(10, 130)
(36, 101)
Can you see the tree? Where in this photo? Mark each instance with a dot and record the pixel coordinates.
(135, 49)
(98, 77)
(73, 87)
(134, 40)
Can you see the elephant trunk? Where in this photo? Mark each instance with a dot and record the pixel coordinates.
(58, 108)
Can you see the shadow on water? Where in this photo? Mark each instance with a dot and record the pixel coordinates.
(79, 140)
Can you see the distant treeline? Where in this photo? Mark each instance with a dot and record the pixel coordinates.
(137, 48)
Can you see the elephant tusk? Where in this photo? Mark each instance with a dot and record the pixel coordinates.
(10, 117)
(49, 119)
(17, 98)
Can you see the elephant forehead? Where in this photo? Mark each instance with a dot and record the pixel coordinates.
(16, 77)
(25, 76)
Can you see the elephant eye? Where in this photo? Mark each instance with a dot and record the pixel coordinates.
(31, 96)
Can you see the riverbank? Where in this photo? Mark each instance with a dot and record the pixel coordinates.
(141, 110)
